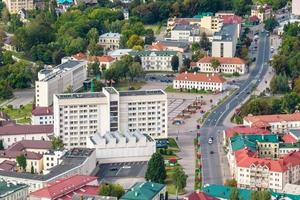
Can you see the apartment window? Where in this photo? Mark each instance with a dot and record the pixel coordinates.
(222, 50)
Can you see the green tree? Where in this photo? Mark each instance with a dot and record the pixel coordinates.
(234, 194)
(149, 36)
(175, 63)
(137, 58)
(265, 195)
(134, 40)
(93, 69)
(156, 171)
(279, 84)
(109, 189)
(22, 161)
(57, 143)
(32, 169)
(231, 182)
(215, 63)
(135, 70)
(195, 46)
(255, 195)
(5, 90)
(179, 179)
(98, 85)
(270, 24)
(1, 145)
(204, 42)
(93, 35)
(290, 101)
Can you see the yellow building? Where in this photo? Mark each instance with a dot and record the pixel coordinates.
(14, 6)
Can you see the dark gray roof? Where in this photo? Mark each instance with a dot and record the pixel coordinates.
(142, 93)
(182, 27)
(226, 33)
(111, 90)
(171, 43)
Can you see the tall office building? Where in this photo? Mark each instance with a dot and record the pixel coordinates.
(78, 116)
(70, 74)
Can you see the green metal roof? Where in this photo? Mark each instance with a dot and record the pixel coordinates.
(200, 15)
(143, 191)
(221, 191)
(157, 53)
(289, 145)
(241, 141)
(9, 188)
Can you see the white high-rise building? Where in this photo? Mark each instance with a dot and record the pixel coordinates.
(70, 74)
(78, 116)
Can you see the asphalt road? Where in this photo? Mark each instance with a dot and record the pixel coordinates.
(213, 126)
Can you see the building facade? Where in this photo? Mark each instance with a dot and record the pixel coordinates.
(117, 147)
(78, 116)
(263, 12)
(224, 42)
(296, 7)
(14, 6)
(13, 191)
(199, 81)
(69, 75)
(42, 115)
(110, 41)
(157, 60)
(211, 24)
(227, 65)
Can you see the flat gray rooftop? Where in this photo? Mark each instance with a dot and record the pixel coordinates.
(111, 90)
(80, 95)
(295, 132)
(142, 93)
(226, 33)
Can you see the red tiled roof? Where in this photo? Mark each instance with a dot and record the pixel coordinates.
(245, 130)
(246, 158)
(199, 196)
(213, 78)
(105, 58)
(254, 18)
(157, 46)
(222, 60)
(287, 138)
(17, 129)
(14, 154)
(86, 190)
(7, 165)
(80, 56)
(30, 144)
(273, 118)
(64, 187)
(39, 111)
(193, 64)
(231, 19)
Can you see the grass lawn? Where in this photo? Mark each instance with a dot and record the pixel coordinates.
(21, 114)
(170, 186)
(155, 27)
(172, 90)
(124, 85)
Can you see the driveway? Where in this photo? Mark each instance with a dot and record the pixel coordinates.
(22, 97)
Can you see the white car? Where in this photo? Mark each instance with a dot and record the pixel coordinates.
(210, 141)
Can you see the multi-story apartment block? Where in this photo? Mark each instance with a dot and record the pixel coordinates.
(69, 75)
(42, 115)
(280, 123)
(78, 116)
(211, 24)
(227, 65)
(110, 41)
(263, 12)
(224, 42)
(173, 21)
(157, 60)
(199, 81)
(14, 6)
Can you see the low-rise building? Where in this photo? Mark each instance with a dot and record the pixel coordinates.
(280, 123)
(189, 33)
(173, 21)
(197, 195)
(287, 148)
(42, 115)
(116, 147)
(12, 133)
(36, 146)
(52, 158)
(157, 60)
(224, 41)
(105, 62)
(227, 65)
(199, 81)
(74, 162)
(110, 41)
(65, 188)
(146, 191)
(169, 45)
(69, 75)
(263, 12)
(13, 191)
(118, 53)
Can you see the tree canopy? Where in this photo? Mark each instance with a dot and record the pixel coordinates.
(156, 171)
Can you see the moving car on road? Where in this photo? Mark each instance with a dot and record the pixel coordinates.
(210, 140)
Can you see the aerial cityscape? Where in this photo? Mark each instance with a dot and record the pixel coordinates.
(150, 100)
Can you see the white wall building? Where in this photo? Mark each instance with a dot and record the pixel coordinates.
(110, 41)
(199, 81)
(70, 73)
(185, 33)
(42, 115)
(157, 60)
(296, 7)
(51, 159)
(224, 42)
(116, 147)
(227, 65)
(78, 116)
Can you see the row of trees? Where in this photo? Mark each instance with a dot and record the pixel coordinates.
(255, 195)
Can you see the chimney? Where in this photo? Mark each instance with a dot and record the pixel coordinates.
(207, 75)
(185, 72)
(213, 74)
(195, 73)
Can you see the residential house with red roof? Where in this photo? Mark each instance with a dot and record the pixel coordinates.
(262, 12)
(42, 115)
(199, 81)
(66, 188)
(279, 123)
(11, 133)
(197, 195)
(227, 65)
